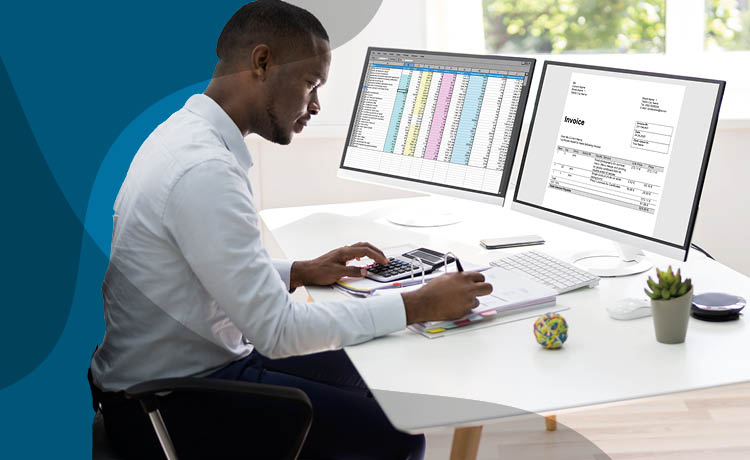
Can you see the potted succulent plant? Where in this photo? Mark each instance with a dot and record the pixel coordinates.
(671, 298)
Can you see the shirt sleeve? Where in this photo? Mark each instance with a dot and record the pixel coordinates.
(210, 216)
(284, 267)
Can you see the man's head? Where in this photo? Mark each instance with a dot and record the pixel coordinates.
(273, 56)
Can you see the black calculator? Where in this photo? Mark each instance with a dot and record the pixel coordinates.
(400, 267)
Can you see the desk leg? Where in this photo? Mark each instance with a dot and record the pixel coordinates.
(551, 422)
(466, 443)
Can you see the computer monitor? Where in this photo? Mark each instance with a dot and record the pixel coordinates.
(621, 154)
(440, 123)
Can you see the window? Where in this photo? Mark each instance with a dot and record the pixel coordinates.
(701, 38)
(623, 26)
(564, 26)
(727, 25)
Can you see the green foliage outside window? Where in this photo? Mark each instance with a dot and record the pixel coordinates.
(558, 26)
(727, 24)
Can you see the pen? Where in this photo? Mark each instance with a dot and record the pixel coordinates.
(458, 265)
(398, 284)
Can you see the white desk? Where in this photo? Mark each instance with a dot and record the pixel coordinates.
(604, 360)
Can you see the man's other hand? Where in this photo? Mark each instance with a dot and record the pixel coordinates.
(446, 297)
(331, 267)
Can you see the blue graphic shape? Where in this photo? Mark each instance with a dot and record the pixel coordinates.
(74, 76)
(41, 240)
(83, 70)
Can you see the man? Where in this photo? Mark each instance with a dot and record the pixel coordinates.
(190, 291)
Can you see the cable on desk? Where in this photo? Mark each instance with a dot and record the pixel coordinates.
(702, 250)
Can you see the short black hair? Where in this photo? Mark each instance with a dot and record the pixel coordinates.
(281, 26)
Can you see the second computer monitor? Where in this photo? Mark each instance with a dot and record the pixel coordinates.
(437, 122)
(619, 153)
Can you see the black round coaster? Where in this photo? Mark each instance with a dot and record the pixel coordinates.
(715, 318)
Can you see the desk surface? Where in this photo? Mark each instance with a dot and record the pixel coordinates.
(604, 360)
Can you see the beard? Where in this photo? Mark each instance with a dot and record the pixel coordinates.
(278, 135)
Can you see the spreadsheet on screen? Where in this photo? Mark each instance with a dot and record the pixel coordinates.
(439, 118)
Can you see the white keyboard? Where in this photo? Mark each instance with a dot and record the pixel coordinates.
(560, 276)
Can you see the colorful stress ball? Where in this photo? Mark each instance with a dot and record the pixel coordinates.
(551, 330)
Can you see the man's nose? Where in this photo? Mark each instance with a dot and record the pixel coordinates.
(314, 106)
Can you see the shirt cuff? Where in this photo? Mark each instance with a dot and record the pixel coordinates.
(284, 267)
(388, 313)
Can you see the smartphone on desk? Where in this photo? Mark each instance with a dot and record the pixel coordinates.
(511, 241)
(400, 267)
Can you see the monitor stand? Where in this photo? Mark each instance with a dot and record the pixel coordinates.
(431, 213)
(627, 261)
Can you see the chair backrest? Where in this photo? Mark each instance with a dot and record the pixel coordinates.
(101, 449)
(232, 417)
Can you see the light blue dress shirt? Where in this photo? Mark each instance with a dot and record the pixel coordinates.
(188, 276)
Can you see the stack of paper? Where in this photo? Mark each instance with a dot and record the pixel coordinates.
(512, 293)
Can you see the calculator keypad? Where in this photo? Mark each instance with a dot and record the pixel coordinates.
(394, 269)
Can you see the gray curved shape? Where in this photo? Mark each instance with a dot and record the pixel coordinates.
(523, 433)
(343, 19)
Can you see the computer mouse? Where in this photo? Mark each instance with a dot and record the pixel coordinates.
(630, 308)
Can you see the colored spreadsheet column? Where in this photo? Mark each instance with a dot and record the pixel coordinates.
(440, 116)
(416, 124)
(398, 111)
(467, 125)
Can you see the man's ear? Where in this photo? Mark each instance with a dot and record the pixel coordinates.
(260, 60)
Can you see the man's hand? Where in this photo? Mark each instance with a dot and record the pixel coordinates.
(446, 297)
(330, 267)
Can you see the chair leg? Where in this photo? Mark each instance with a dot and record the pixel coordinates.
(551, 422)
(466, 443)
(162, 434)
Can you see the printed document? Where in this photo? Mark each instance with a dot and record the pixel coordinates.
(613, 150)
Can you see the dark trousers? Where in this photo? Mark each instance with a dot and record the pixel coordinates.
(347, 421)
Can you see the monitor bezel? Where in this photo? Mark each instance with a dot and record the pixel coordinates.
(619, 235)
(413, 184)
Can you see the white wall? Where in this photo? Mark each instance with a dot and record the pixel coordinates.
(304, 172)
(723, 226)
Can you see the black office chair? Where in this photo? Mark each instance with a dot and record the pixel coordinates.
(278, 422)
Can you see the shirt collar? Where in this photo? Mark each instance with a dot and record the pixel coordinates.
(207, 108)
